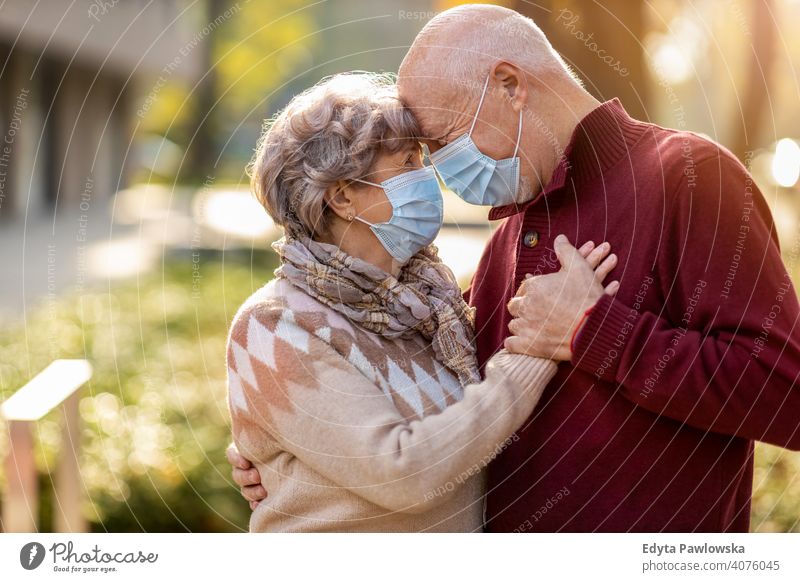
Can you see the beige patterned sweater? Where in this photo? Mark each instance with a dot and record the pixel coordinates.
(351, 431)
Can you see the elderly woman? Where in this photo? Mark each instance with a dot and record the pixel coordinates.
(353, 383)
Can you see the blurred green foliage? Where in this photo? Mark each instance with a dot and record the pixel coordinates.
(776, 490)
(267, 44)
(155, 417)
(253, 50)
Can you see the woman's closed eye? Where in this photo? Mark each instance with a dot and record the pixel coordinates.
(413, 160)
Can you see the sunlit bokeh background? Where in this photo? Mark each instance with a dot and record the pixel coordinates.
(128, 235)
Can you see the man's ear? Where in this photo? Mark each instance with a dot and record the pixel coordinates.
(513, 82)
(339, 199)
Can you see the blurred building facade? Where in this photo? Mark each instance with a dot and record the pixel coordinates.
(69, 79)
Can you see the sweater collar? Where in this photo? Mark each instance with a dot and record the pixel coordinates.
(599, 141)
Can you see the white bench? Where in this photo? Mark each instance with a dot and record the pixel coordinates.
(56, 385)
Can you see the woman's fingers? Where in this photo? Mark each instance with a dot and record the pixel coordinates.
(602, 270)
(253, 505)
(598, 254)
(611, 288)
(586, 248)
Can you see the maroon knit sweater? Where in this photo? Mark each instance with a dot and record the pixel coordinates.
(651, 426)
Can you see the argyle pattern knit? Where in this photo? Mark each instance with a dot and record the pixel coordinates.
(352, 431)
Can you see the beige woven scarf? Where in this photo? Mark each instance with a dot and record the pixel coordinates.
(424, 299)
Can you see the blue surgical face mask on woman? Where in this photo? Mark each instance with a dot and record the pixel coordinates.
(417, 213)
(475, 177)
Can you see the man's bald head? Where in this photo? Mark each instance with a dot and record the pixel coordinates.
(442, 76)
(461, 43)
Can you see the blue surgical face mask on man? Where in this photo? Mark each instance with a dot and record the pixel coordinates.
(417, 213)
(475, 177)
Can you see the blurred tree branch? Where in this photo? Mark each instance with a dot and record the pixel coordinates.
(202, 149)
(755, 88)
(602, 42)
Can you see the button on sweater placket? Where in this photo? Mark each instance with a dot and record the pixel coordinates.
(534, 239)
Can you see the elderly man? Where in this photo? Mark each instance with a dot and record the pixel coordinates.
(650, 422)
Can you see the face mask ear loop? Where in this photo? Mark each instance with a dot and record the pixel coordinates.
(519, 135)
(480, 103)
(358, 218)
(370, 183)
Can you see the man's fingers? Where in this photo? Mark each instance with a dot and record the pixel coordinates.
(515, 306)
(254, 493)
(235, 459)
(516, 344)
(601, 272)
(520, 327)
(246, 478)
(612, 288)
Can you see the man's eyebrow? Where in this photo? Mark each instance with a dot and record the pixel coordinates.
(447, 131)
(441, 137)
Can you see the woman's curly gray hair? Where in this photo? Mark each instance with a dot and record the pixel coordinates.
(333, 131)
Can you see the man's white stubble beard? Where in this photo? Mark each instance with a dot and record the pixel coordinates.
(525, 192)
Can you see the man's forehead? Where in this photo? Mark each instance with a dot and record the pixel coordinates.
(434, 105)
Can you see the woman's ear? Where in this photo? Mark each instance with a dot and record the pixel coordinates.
(513, 83)
(339, 198)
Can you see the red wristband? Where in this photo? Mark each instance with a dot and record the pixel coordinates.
(578, 328)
